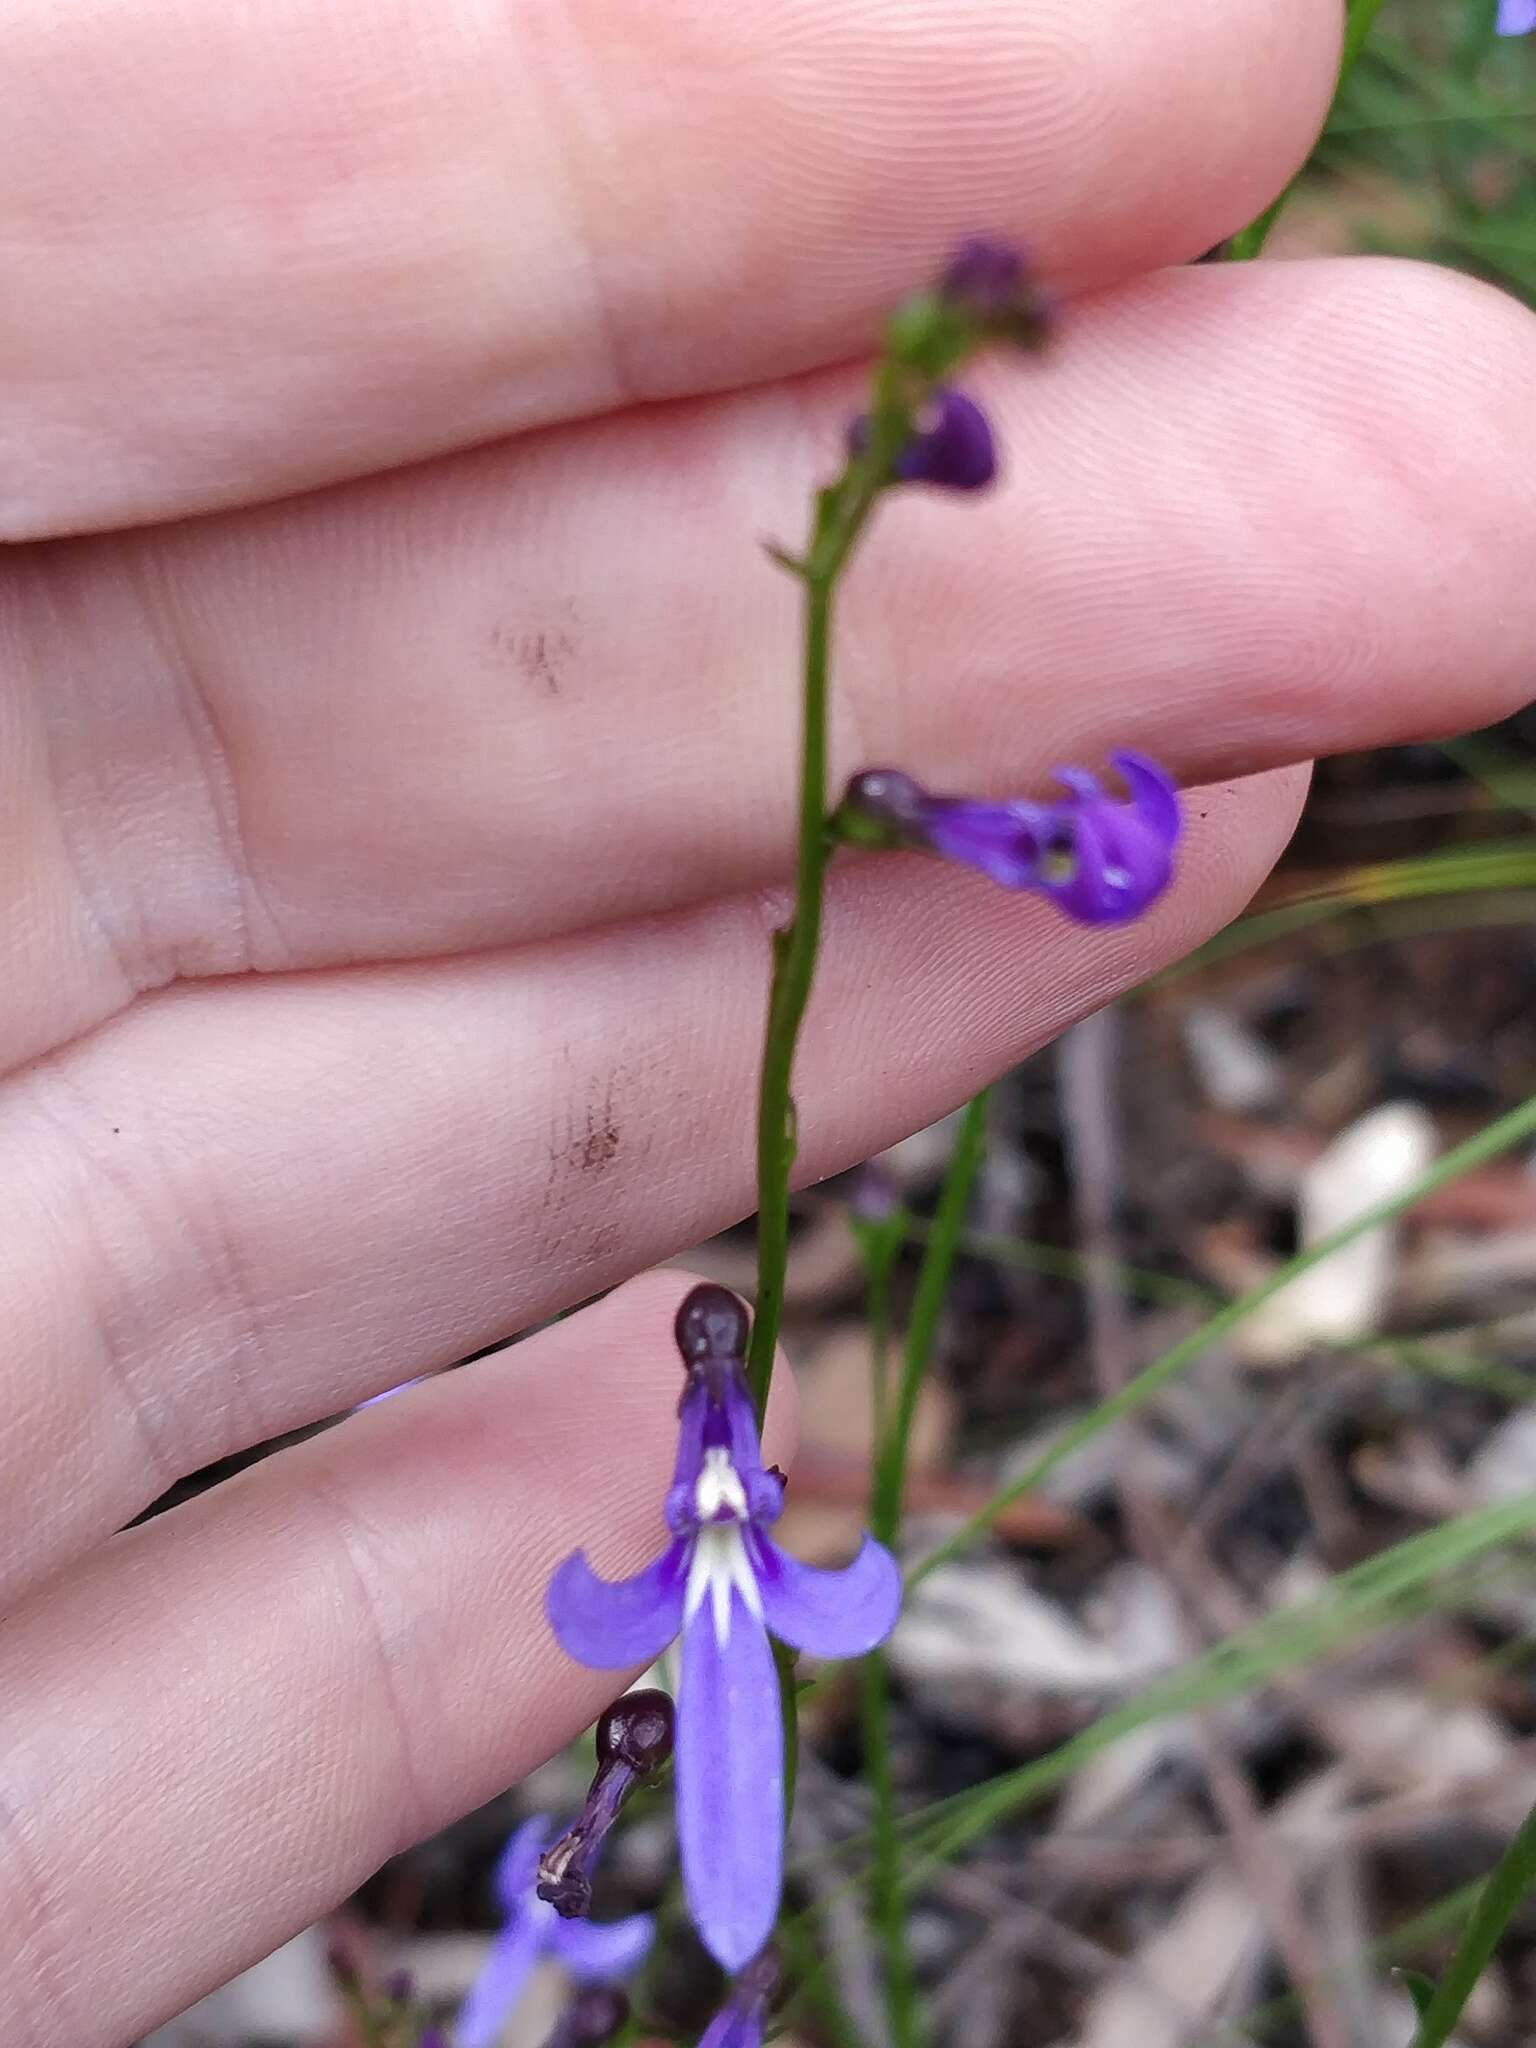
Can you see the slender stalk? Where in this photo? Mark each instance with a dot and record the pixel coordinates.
(794, 966)
(932, 1286)
(891, 1442)
(1506, 1885)
(887, 1903)
(842, 511)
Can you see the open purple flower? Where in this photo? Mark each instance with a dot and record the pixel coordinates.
(1102, 859)
(1515, 17)
(722, 1585)
(531, 1929)
(742, 2021)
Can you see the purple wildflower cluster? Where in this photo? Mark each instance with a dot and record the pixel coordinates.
(720, 1587)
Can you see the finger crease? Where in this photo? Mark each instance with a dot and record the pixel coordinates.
(356, 1554)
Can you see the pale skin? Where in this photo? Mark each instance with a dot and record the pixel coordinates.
(386, 872)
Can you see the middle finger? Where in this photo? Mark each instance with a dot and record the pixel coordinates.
(552, 684)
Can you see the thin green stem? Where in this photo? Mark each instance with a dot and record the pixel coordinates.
(891, 1445)
(1506, 1885)
(794, 967)
(1248, 241)
(928, 1302)
(887, 1901)
(842, 511)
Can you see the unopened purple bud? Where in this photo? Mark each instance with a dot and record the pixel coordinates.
(951, 446)
(989, 282)
(984, 276)
(399, 1987)
(634, 1740)
(712, 1323)
(592, 2018)
(893, 802)
(434, 2037)
(637, 1731)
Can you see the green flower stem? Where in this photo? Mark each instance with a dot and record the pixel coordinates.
(887, 1904)
(1507, 1884)
(842, 511)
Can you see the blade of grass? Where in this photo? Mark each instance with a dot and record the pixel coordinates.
(1506, 1885)
(1382, 1589)
(1500, 1136)
(887, 1897)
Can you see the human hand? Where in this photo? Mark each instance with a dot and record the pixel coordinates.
(388, 871)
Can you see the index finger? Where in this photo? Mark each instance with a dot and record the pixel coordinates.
(287, 244)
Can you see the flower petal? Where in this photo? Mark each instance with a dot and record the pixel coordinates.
(518, 1863)
(1003, 840)
(500, 1983)
(613, 1623)
(602, 1954)
(829, 1613)
(730, 1782)
(1154, 795)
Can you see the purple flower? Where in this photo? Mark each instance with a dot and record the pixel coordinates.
(743, 2020)
(721, 1585)
(988, 281)
(984, 276)
(1515, 18)
(1101, 859)
(951, 447)
(531, 1929)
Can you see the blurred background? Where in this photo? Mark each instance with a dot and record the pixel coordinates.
(1255, 1869)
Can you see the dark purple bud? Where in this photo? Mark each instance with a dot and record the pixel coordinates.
(434, 2037)
(892, 803)
(989, 282)
(951, 445)
(592, 2018)
(637, 1731)
(634, 1740)
(399, 1987)
(984, 276)
(712, 1323)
